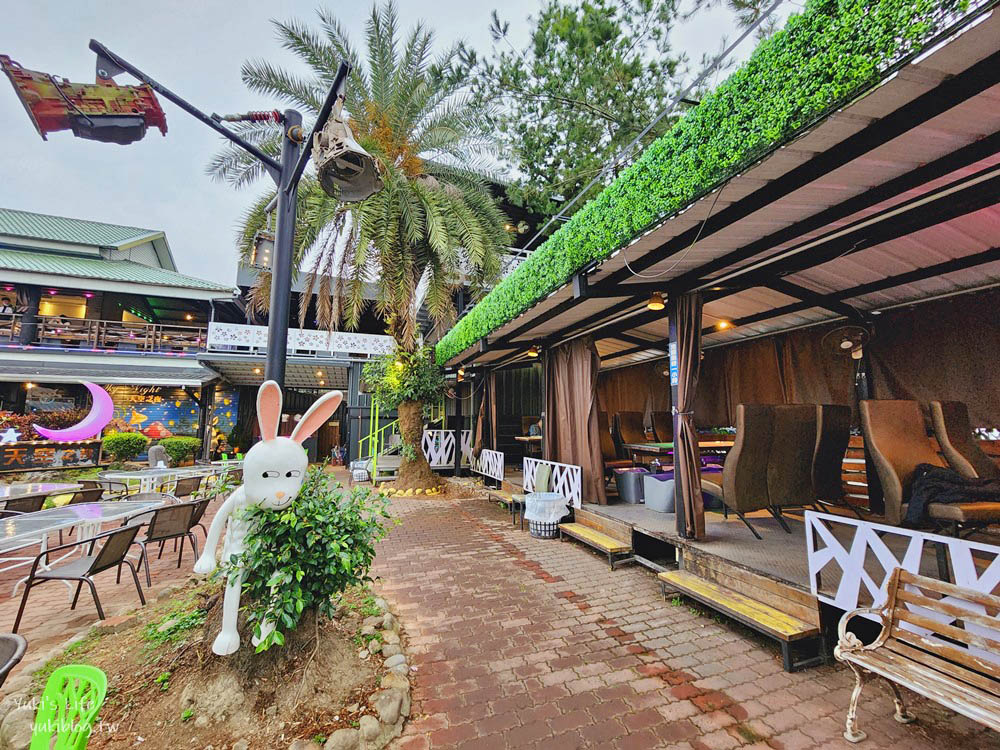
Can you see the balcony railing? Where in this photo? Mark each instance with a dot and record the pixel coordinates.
(234, 338)
(106, 335)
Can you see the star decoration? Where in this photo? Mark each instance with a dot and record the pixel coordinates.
(10, 436)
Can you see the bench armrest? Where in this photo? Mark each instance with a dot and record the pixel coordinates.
(850, 642)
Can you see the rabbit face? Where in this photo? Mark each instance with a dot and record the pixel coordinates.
(273, 472)
(274, 468)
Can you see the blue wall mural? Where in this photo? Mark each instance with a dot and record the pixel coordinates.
(155, 411)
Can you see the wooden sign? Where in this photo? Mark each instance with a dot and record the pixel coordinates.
(33, 455)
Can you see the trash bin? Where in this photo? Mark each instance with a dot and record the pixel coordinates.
(659, 491)
(629, 484)
(543, 512)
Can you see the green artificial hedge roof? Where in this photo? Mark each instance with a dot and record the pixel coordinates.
(823, 57)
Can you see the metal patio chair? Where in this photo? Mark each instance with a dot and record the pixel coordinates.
(171, 522)
(184, 487)
(112, 490)
(12, 647)
(116, 544)
(16, 506)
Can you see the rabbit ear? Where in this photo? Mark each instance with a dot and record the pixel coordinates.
(318, 413)
(269, 409)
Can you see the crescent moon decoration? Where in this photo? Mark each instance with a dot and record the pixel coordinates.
(96, 420)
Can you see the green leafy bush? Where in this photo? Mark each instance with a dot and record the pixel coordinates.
(405, 376)
(124, 446)
(822, 59)
(299, 558)
(180, 448)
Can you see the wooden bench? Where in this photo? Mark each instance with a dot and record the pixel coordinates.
(587, 532)
(783, 627)
(938, 639)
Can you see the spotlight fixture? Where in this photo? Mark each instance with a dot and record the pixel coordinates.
(28, 386)
(533, 351)
(460, 378)
(723, 325)
(461, 372)
(189, 316)
(655, 301)
(322, 382)
(319, 373)
(256, 371)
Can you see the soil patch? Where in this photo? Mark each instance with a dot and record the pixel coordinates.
(167, 687)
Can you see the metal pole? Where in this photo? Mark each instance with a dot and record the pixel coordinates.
(284, 236)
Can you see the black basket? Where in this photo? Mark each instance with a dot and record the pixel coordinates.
(543, 530)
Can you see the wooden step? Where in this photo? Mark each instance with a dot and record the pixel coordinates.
(752, 613)
(595, 538)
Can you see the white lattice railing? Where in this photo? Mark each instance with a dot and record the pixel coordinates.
(864, 554)
(234, 337)
(490, 464)
(439, 447)
(566, 479)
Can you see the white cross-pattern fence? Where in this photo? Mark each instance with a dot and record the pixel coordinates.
(489, 464)
(439, 448)
(864, 554)
(566, 479)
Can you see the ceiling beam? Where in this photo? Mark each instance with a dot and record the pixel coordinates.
(952, 201)
(949, 266)
(635, 350)
(808, 295)
(963, 157)
(950, 93)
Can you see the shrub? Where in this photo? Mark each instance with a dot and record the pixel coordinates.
(299, 558)
(124, 446)
(180, 448)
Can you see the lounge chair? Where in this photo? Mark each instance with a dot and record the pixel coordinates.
(744, 475)
(663, 426)
(115, 545)
(631, 428)
(897, 440)
(791, 458)
(953, 431)
(609, 452)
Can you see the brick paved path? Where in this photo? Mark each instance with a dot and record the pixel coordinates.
(521, 643)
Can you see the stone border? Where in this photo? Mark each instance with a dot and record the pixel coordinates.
(389, 706)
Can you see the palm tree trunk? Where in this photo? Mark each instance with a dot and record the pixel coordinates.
(414, 471)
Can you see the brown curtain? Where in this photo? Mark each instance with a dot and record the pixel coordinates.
(686, 310)
(813, 373)
(942, 351)
(747, 373)
(571, 433)
(641, 387)
(479, 438)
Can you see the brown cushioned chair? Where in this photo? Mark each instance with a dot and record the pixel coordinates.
(953, 431)
(663, 426)
(608, 450)
(833, 435)
(790, 460)
(897, 440)
(630, 427)
(744, 475)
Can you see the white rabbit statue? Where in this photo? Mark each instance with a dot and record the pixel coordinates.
(273, 472)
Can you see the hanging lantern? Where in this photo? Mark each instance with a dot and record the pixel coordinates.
(346, 171)
(655, 301)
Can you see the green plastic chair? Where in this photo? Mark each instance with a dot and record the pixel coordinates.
(225, 456)
(69, 706)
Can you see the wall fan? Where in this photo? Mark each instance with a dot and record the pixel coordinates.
(847, 341)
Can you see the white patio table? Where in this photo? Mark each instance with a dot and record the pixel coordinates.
(149, 479)
(18, 489)
(29, 529)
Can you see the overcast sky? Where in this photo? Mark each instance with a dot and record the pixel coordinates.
(194, 48)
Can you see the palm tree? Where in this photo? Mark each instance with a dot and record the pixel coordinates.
(435, 222)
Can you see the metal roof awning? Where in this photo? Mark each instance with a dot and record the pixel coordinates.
(300, 372)
(891, 200)
(112, 373)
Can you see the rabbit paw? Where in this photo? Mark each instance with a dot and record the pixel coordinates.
(226, 643)
(204, 566)
(266, 628)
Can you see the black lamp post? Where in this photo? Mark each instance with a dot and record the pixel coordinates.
(296, 149)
